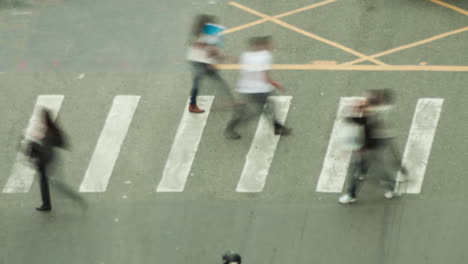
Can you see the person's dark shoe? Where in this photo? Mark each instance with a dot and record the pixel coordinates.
(44, 208)
(231, 134)
(193, 108)
(282, 130)
(404, 170)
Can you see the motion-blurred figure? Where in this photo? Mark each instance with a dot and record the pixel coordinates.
(374, 120)
(256, 85)
(231, 258)
(203, 52)
(40, 143)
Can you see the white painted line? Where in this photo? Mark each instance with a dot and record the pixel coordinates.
(262, 149)
(184, 147)
(419, 143)
(108, 146)
(336, 163)
(22, 174)
(21, 13)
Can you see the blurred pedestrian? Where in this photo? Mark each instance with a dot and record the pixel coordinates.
(231, 258)
(378, 133)
(202, 54)
(384, 134)
(256, 85)
(356, 141)
(40, 143)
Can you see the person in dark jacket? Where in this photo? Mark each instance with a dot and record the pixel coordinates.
(41, 141)
(375, 121)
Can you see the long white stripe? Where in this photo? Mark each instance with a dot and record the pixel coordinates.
(108, 146)
(184, 147)
(262, 149)
(22, 174)
(418, 146)
(336, 163)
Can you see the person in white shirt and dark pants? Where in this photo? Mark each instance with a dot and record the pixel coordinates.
(255, 84)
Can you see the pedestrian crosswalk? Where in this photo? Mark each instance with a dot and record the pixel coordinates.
(253, 178)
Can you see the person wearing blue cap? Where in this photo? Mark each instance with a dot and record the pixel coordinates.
(202, 54)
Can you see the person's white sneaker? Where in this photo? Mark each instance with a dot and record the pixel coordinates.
(391, 194)
(346, 199)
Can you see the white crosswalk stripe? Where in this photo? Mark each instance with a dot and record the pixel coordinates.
(336, 162)
(418, 146)
(110, 141)
(22, 174)
(184, 147)
(262, 150)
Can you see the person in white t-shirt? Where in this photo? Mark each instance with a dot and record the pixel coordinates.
(255, 84)
(202, 54)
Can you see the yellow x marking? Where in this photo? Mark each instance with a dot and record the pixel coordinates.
(260, 21)
(411, 45)
(305, 33)
(348, 66)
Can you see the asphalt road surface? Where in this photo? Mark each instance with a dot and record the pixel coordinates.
(117, 75)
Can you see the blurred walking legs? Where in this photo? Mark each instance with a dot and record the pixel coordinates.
(256, 104)
(201, 70)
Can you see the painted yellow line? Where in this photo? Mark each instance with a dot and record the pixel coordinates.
(260, 21)
(304, 8)
(455, 8)
(435, 68)
(305, 33)
(411, 45)
(241, 27)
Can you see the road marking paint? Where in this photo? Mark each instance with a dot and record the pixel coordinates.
(336, 162)
(419, 143)
(306, 33)
(408, 46)
(263, 20)
(455, 8)
(262, 149)
(109, 143)
(184, 147)
(342, 67)
(23, 13)
(320, 62)
(22, 174)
